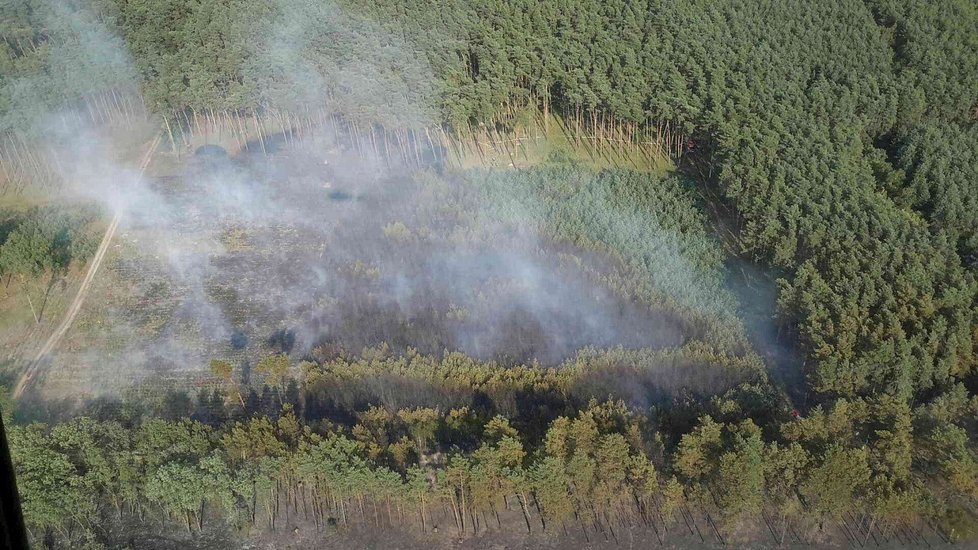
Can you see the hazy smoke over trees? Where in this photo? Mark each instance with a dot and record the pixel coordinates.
(328, 245)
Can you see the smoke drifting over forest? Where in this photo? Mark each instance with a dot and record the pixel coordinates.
(357, 260)
(468, 273)
(318, 244)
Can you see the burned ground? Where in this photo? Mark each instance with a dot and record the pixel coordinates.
(218, 258)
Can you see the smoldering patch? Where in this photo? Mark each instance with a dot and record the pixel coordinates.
(392, 264)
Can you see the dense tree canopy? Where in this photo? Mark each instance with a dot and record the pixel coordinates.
(342, 450)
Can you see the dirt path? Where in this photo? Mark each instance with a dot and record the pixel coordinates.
(52, 341)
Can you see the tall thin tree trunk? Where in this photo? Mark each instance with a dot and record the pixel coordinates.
(30, 302)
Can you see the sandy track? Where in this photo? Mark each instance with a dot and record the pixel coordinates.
(37, 365)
